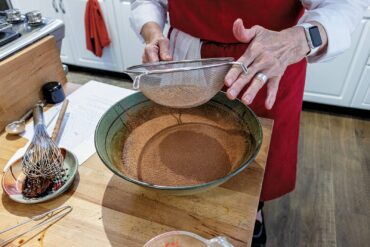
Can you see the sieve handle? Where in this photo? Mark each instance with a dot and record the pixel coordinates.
(163, 71)
(244, 68)
(136, 84)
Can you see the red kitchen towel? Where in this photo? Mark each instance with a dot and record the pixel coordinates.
(97, 36)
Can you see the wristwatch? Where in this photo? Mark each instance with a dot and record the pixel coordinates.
(313, 37)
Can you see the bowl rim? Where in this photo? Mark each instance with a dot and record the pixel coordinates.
(182, 187)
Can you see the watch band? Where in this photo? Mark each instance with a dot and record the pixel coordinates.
(313, 42)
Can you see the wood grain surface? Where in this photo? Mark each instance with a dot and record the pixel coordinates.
(108, 211)
(22, 76)
(330, 206)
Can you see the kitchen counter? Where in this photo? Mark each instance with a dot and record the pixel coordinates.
(108, 211)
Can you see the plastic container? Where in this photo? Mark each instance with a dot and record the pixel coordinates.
(186, 239)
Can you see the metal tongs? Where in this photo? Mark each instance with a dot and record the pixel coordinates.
(53, 216)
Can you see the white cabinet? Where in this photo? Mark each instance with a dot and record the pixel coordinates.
(343, 81)
(361, 98)
(334, 82)
(49, 8)
(74, 50)
(74, 18)
(131, 47)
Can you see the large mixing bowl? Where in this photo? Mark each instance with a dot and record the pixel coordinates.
(135, 111)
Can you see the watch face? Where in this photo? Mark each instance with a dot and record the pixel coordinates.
(315, 36)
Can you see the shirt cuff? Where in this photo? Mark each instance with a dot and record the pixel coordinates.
(144, 13)
(337, 31)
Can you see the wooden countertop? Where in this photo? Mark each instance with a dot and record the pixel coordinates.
(108, 211)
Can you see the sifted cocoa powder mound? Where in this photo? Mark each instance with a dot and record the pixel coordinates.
(183, 157)
(184, 149)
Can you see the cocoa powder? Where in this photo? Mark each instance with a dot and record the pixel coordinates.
(185, 148)
(179, 96)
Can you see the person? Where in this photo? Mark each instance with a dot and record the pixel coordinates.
(274, 39)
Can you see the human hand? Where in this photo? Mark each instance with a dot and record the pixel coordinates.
(270, 53)
(157, 46)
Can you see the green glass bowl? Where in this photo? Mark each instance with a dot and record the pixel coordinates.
(122, 118)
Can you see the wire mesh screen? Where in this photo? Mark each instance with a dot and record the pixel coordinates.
(181, 84)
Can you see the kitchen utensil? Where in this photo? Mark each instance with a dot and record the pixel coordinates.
(43, 162)
(44, 219)
(43, 157)
(58, 124)
(23, 149)
(53, 92)
(136, 110)
(186, 239)
(19, 126)
(182, 84)
(13, 180)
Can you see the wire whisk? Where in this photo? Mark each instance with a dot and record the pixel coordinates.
(43, 161)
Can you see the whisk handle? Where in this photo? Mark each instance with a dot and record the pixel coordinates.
(38, 115)
(58, 124)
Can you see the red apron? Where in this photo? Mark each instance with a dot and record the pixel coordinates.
(212, 21)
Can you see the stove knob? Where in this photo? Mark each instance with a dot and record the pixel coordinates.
(34, 18)
(13, 15)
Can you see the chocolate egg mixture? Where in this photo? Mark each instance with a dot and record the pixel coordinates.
(185, 148)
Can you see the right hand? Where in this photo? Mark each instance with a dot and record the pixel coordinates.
(157, 46)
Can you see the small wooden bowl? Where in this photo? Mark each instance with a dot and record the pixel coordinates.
(13, 180)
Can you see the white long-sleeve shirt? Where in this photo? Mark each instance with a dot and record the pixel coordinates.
(339, 18)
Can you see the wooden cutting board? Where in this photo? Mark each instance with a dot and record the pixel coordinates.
(109, 211)
(22, 76)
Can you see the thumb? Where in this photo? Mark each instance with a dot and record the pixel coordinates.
(241, 33)
(164, 49)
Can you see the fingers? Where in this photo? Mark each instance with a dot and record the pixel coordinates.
(164, 49)
(247, 58)
(242, 34)
(240, 83)
(252, 91)
(245, 36)
(272, 88)
(158, 50)
(151, 53)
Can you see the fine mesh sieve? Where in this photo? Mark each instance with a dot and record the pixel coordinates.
(182, 84)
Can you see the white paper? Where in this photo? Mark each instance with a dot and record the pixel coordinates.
(86, 106)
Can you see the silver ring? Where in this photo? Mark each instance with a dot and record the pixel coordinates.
(262, 77)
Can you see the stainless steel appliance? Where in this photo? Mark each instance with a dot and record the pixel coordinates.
(18, 31)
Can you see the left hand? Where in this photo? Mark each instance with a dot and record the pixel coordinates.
(270, 53)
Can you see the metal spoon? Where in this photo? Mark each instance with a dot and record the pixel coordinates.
(19, 126)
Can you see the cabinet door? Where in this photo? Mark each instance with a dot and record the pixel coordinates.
(131, 46)
(49, 8)
(75, 20)
(335, 82)
(361, 99)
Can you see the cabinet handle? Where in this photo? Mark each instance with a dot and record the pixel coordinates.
(61, 6)
(55, 6)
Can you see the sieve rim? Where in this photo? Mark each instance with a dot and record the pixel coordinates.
(136, 72)
(221, 59)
